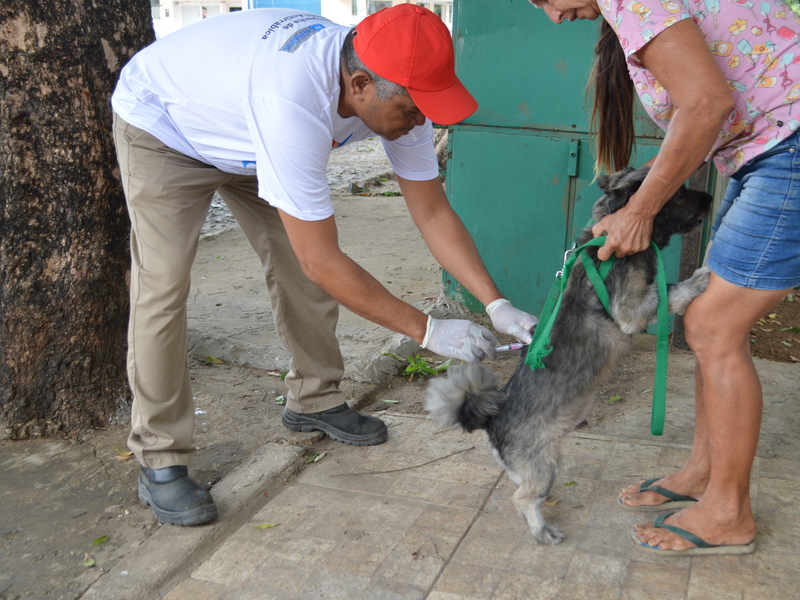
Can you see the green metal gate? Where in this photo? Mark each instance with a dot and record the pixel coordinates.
(521, 169)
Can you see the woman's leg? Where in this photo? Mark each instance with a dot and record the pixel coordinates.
(718, 323)
(692, 478)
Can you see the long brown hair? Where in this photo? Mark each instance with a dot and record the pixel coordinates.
(611, 123)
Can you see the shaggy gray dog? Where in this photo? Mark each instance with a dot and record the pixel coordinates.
(526, 418)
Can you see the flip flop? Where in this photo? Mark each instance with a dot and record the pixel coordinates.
(675, 501)
(701, 547)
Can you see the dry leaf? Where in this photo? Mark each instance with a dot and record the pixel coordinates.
(550, 502)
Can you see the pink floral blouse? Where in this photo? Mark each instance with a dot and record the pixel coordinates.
(755, 43)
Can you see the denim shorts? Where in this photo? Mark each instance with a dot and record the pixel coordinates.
(756, 235)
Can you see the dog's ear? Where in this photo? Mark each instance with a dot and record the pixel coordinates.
(607, 182)
(703, 199)
(626, 185)
(603, 182)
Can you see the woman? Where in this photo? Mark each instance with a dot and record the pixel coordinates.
(720, 79)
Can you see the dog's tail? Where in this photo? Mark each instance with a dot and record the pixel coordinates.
(469, 396)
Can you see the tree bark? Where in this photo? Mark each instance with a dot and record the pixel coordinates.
(64, 262)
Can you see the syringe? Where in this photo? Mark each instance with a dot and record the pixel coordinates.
(517, 346)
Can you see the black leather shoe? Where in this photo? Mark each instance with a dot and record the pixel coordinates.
(175, 497)
(340, 423)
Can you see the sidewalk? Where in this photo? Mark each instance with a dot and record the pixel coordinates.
(429, 515)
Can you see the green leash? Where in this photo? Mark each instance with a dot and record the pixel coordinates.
(541, 347)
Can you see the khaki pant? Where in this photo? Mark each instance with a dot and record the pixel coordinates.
(168, 196)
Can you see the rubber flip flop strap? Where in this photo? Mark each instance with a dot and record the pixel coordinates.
(540, 344)
(664, 492)
(662, 350)
(687, 535)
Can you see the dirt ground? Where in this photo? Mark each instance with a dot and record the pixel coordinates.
(777, 336)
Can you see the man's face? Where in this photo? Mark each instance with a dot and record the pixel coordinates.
(391, 118)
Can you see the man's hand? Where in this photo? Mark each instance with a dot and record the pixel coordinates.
(510, 320)
(459, 339)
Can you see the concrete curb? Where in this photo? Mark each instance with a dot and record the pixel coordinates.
(171, 552)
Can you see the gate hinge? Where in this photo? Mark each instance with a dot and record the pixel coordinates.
(572, 163)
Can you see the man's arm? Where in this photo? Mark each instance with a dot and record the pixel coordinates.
(316, 244)
(454, 249)
(448, 240)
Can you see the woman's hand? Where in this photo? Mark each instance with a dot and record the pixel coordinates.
(627, 231)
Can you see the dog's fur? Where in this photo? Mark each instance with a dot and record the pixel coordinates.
(526, 418)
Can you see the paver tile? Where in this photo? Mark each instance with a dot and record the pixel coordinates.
(333, 586)
(590, 568)
(645, 580)
(631, 461)
(584, 457)
(232, 563)
(469, 580)
(530, 586)
(551, 562)
(192, 589)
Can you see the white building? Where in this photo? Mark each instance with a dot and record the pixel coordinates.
(169, 15)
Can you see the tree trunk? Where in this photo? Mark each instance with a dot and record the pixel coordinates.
(64, 263)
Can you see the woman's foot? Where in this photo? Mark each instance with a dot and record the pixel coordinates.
(711, 524)
(681, 489)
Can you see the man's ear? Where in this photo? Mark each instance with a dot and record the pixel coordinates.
(359, 81)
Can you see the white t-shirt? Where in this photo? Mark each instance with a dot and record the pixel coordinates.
(256, 92)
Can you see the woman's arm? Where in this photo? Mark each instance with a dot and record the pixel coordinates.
(681, 62)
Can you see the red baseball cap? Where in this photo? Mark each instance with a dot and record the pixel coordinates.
(410, 46)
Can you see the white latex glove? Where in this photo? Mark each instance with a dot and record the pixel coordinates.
(510, 320)
(459, 339)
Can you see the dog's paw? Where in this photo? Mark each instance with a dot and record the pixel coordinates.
(699, 279)
(549, 535)
(681, 294)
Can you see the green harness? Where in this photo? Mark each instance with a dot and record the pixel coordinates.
(541, 347)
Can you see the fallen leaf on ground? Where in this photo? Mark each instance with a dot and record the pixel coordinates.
(124, 454)
(314, 457)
